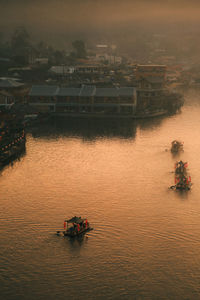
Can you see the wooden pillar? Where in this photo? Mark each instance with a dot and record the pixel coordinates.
(92, 104)
(119, 108)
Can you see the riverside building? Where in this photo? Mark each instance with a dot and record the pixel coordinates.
(87, 99)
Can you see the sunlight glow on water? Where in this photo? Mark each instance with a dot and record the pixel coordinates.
(145, 243)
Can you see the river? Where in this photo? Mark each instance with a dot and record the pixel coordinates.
(146, 238)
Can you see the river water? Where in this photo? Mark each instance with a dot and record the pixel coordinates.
(146, 238)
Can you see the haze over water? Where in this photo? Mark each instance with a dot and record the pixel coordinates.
(145, 243)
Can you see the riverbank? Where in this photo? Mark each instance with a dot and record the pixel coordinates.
(156, 113)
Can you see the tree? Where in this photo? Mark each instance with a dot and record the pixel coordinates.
(59, 57)
(20, 44)
(5, 50)
(79, 47)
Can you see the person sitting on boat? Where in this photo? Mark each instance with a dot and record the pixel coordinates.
(176, 146)
(71, 229)
(180, 167)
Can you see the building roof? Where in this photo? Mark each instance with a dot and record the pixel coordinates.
(87, 91)
(102, 46)
(89, 65)
(154, 79)
(62, 69)
(6, 94)
(151, 66)
(84, 91)
(44, 90)
(9, 83)
(126, 91)
(107, 92)
(75, 219)
(4, 59)
(69, 92)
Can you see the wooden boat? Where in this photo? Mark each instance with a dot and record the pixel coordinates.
(76, 226)
(183, 186)
(176, 146)
(182, 180)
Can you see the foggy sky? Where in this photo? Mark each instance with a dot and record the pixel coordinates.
(84, 17)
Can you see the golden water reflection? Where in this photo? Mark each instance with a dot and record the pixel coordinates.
(145, 242)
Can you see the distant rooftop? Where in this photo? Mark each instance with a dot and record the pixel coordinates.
(106, 92)
(102, 46)
(62, 69)
(44, 90)
(4, 59)
(126, 91)
(69, 92)
(84, 91)
(9, 83)
(87, 90)
(145, 67)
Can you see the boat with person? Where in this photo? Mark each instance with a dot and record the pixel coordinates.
(76, 226)
(176, 146)
(182, 179)
(180, 168)
(184, 184)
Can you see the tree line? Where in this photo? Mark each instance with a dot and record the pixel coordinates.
(20, 49)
